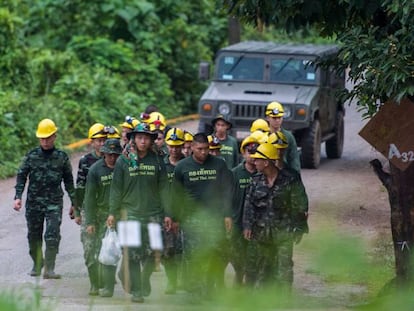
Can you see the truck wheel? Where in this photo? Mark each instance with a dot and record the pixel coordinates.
(335, 145)
(311, 146)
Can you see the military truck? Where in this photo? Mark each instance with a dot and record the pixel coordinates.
(249, 75)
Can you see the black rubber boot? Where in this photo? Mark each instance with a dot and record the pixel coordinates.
(93, 279)
(108, 280)
(49, 272)
(147, 269)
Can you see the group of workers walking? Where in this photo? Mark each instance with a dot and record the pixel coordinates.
(213, 208)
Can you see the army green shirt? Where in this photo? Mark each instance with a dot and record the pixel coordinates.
(45, 169)
(242, 178)
(230, 151)
(98, 185)
(282, 207)
(201, 187)
(139, 188)
(291, 156)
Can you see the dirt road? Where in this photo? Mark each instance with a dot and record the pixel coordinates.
(345, 198)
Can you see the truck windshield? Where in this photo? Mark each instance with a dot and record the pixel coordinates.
(240, 67)
(292, 70)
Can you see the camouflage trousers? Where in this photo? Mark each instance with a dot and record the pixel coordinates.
(92, 242)
(270, 263)
(36, 216)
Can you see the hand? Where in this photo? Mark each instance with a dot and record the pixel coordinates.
(228, 224)
(72, 212)
(90, 229)
(247, 233)
(110, 221)
(78, 220)
(168, 223)
(17, 204)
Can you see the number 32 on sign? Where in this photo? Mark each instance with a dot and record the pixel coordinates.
(406, 156)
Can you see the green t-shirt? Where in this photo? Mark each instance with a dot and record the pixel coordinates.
(230, 151)
(96, 200)
(139, 188)
(198, 189)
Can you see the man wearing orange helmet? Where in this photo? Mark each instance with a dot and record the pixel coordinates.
(45, 167)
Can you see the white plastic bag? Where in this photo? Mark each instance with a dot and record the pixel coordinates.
(110, 252)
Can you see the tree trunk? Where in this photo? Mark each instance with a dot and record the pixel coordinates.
(400, 187)
(234, 30)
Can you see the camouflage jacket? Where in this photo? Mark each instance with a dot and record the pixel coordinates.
(280, 208)
(46, 170)
(83, 168)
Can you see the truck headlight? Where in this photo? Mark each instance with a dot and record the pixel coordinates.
(288, 111)
(224, 108)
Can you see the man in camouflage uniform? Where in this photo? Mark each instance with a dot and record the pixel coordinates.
(96, 207)
(46, 167)
(242, 175)
(275, 217)
(97, 135)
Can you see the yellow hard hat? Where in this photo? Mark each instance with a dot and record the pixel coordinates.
(157, 119)
(213, 142)
(275, 109)
(46, 128)
(97, 131)
(130, 122)
(188, 137)
(112, 132)
(259, 125)
(174, 137)
(278, 139)
(260, 136)
(249, 141)
(266, 151)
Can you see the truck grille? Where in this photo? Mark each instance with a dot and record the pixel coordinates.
(249, 110)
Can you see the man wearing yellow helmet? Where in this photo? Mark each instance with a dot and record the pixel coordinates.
(171, 259)
(188, 138)
(126, 127)
(242, 175)
(274, 115)
(97, 135)
(275, 217)
(45, 167)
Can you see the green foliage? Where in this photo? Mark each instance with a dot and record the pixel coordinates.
(79, 62)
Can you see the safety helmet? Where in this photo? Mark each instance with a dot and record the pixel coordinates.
(130, 122)
(46, 128)
(250, 143)
(142, 128)
(96, 131)
(266, 151)
(157, 119)
(260, 136)
(174, 137)
(113, 132)
(260, 125)
(213, 142)
(223, 118)
(278, 139)
(112, 145)
(188, 137)
(275, 109)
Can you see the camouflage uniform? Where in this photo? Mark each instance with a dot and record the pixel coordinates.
(277, 218)
(88, 241)
(242, 178)
(45, 169)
